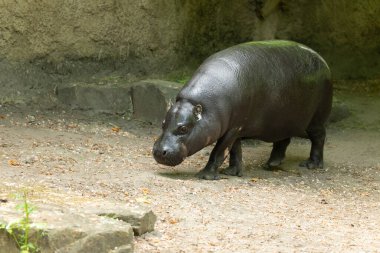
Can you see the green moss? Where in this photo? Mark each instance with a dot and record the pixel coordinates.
(271, 43)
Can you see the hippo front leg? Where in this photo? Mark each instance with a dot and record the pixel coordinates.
(217, 156)
(235, 167)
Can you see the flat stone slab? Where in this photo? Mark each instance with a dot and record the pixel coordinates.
(98, 98)
(142, 219)
(89, 227)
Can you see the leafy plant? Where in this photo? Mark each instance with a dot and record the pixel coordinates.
(20, 230)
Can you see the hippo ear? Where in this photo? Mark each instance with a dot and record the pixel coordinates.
(197, 110)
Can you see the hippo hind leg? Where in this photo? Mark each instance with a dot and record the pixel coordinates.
(277, 154)
(317, 136)
(316, 130)
(235, 167)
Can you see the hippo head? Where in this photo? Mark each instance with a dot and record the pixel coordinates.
(184, 132)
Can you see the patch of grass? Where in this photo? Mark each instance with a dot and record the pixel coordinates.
(179, 76)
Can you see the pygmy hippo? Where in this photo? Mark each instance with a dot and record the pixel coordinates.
(265, 90)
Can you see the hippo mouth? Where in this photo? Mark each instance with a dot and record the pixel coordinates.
(170, 155)
(168, 160)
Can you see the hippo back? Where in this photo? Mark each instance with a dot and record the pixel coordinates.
(260, 79)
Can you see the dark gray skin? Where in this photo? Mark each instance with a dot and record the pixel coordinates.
(268, 90)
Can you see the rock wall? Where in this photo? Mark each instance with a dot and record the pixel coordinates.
(55, 30)
(346, 33)
(79, 37)
(50, 43)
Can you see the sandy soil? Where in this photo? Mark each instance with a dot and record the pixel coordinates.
(288, 210)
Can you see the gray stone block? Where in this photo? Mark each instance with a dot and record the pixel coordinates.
(107, 99)
(152, 98)
(7, 244)
(142, 220)
(68, 232)
(99, 242)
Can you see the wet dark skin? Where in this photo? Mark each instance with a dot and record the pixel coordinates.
(270, 91)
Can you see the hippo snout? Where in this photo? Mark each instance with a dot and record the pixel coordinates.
(167, 155)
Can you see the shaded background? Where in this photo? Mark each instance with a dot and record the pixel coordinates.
(44, 44)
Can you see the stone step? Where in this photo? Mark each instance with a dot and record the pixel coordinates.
(103, 99)
(146, 100)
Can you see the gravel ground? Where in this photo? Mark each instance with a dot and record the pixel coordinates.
(288, 210)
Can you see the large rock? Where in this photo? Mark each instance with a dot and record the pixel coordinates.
(339, 112)
(152, 98)
(108, 99)
(69, 232)
(6, 243)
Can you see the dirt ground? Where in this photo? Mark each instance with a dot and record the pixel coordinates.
(75, 155)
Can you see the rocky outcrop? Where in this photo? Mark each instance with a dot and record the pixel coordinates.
(91, 227)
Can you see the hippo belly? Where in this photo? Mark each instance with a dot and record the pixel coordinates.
(269, 90)
(277, 121)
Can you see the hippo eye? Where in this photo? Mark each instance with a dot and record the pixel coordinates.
(183, 129)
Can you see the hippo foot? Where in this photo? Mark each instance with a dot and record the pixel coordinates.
(272, 164)
(232, 171)
(208, 175)
(310, 164)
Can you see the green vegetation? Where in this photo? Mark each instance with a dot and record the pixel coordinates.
(180, 76)
(20, 230)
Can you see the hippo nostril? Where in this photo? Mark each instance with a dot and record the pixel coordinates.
(164, 153)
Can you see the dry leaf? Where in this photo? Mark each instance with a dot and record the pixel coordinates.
(145, 191)
(2, 117)
(143, 200)
(364, 194)
(72, 126)
(116, 129)
(173, 220)
(154, 240)
(255, 179)
(13, 162)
